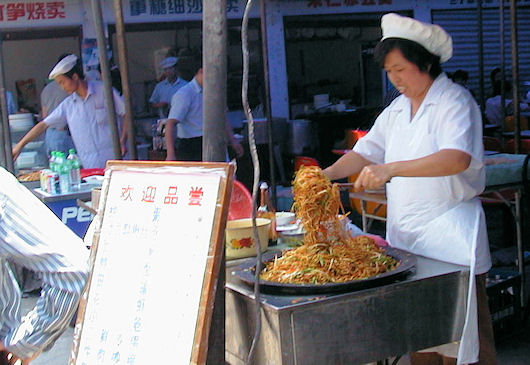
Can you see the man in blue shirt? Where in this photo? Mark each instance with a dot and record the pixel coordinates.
(186, 114)
(165, 89)
(84, 112)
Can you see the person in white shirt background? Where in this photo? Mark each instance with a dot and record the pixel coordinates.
(84, 112)
(51, 96)
(185, 116)
(165, 89)
(493, 107)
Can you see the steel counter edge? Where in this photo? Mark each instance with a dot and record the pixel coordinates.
(425, 309)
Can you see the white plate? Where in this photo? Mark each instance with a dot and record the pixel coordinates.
(93, 179)
(293, 232)
(288, 227)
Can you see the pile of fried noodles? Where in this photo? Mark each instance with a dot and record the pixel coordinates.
(328, 254)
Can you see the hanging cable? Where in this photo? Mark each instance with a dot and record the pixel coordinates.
(255, 163)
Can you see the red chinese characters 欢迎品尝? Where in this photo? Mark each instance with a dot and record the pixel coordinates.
(195, 195)
(126, 193)
(149, 194)
(171, 197)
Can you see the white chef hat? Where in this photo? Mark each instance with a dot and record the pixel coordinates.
(168, 62)
(63, 66)
(431, 36)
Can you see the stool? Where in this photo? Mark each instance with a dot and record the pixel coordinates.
(492, 144)
(510, 146)
(240, 202)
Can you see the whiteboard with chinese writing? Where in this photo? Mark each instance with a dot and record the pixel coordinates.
(157, 228)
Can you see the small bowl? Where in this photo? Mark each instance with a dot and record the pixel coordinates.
(284, 218)
(239, 237)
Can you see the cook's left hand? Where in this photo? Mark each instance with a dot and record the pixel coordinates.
(372, 177)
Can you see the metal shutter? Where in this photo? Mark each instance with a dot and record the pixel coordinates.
(462, 25)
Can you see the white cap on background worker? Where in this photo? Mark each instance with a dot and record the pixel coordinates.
(168, 62)
(63, 66)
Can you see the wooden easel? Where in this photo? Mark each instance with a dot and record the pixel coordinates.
(124, 314)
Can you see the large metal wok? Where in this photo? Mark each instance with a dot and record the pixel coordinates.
(246, 272)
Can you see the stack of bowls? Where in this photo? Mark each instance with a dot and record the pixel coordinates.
(22, 122)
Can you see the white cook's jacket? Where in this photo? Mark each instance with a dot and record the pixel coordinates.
(88, 123)
(436, 217)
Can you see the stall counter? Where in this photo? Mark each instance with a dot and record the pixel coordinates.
(424, 310)
(66, 208)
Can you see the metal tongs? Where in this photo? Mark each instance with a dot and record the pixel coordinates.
(347, 186)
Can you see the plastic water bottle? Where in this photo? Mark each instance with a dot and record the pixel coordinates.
(52, 161)
(266, 210)
(75, 170)
(63, 169)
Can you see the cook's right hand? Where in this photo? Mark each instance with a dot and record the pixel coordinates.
(372, 177)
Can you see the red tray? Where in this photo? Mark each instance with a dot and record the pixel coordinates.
(91, 172)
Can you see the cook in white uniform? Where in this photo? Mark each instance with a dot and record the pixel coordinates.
(428, 145)
(85, 113)
(165, 89)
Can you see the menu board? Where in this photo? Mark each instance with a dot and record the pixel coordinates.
(143, 304)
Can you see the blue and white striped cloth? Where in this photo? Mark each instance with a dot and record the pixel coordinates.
(32, 236)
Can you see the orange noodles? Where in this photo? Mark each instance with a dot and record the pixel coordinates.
(329, 254)
(317, 203)
(321, 263)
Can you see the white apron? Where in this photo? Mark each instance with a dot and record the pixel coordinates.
(425, 217)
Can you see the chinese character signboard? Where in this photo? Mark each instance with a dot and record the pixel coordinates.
(150, 264)
(138, 9)
(348, 3)
(38, 12)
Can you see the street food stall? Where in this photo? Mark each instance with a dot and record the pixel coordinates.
(339, 297)
(349, 327)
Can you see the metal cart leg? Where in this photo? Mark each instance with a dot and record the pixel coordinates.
(520, 248)
(526, 197)
(364, 218)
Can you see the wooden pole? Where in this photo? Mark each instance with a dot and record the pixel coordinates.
(105, 75)
(125, 84)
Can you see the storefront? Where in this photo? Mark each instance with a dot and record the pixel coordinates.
(149, 43)
(34, 34)
(328, 46)
(460, 22)
(314, 47)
